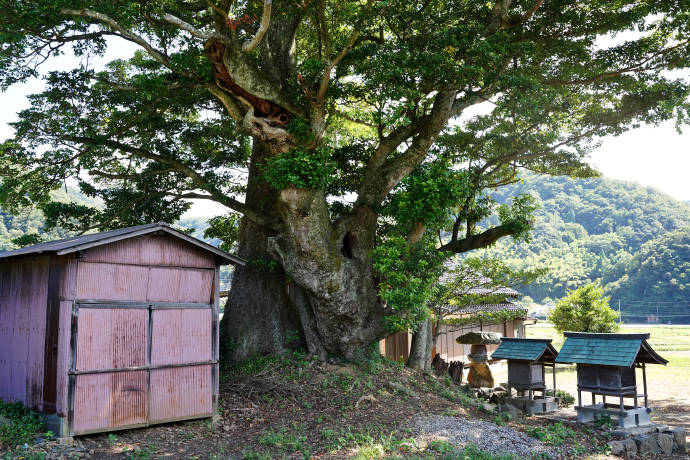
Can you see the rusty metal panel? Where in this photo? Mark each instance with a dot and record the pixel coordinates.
(128, 398)
(181, 336)
(196, 339)
(94, 339)
(19, 350)
(163, 285)
(195, 286)
(164, 398)
(64, 332)
(165, 337)
(23, 304)
(92, 401)
(37, 299)
(129, 337)
(175, 252)
(180, 392)
(100, 281)
(6, 334)
(153, 250)
(179, 285)
(195, 390)
(111, 338)
(68, 276)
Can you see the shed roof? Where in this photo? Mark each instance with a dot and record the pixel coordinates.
(518, 349)
(482, 307)
(482, 285)
(607, 349)
(78, 243)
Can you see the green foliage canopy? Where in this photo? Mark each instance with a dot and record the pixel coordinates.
(352, 119)
(145, 133)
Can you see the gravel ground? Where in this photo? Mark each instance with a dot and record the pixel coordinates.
(487, 436)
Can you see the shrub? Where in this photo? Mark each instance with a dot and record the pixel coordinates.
(566, 399)
(585, 309)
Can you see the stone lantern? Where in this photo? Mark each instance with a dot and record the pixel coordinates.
(479, 374)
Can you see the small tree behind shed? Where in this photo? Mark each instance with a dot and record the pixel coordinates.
(585, 309)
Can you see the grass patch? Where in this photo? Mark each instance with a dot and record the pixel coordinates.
(286, 441)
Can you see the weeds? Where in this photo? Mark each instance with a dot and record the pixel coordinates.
(603, 421)
(566, 399)
(144, 454)
(555, 435)
(449, 452)
(502, 418)
(24, 427)
(286, 441)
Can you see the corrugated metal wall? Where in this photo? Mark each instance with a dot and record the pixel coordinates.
(397, 346)
(23, 301)
(163, 250)
(158, 286)
(450, 350)
(143, 284)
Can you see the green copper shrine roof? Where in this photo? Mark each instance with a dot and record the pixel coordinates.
(514, 348)
(607, 349)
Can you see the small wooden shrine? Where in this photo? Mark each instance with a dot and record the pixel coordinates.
(606, 366)
(527, 362)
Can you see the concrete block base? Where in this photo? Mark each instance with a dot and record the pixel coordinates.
(534, 406)
(628, 418)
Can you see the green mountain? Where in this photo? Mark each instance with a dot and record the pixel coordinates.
(657, 280)
(31, 220)
(601, 229)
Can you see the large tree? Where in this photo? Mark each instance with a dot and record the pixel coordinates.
(330, 126)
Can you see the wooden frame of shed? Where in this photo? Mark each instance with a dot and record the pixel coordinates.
(527, 361)
(606, 366)
(113, 330)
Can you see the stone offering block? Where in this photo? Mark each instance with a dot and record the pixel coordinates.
(480, 338)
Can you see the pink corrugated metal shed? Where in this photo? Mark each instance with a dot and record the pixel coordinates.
(113, 330)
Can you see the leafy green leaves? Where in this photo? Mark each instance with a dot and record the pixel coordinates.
(408, 274)
(301, 168)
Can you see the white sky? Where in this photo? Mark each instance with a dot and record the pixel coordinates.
(652, 156)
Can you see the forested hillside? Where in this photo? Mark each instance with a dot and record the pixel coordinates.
(658, 279)
(31, 221)
(601, 229)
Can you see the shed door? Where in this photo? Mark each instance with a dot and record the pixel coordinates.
(110, 340)
(123, 378)
(179, 390)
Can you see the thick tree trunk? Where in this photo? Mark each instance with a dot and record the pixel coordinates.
(333, 268)
(421, 346)
(259, 316)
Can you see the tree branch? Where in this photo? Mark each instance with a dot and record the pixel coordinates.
(249, 211)
(205, 35)
(125, 33)
(229, 102)
(477, 241)
(615, 73)
(265, 21)
(343, 52)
